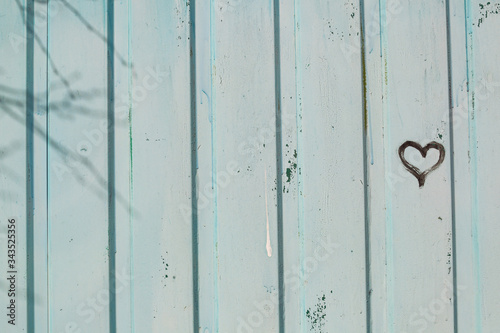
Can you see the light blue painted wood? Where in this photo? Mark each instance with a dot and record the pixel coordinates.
(411, 234)
(125, 292)
(380, 267)
(160, 180)
(40, 157)
(322, 153)
(466, 257)
(77, 176)
(255, 162)
(240, 167)
(13, 165)
(205, 214)
(288, 103)
(482, 204)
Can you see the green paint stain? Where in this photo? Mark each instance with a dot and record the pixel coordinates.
(317, 315)
(487, 9)
(292, 168)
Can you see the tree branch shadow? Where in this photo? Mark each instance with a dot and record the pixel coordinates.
(72, 104)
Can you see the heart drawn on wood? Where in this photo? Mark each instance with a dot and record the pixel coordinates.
(423, 151)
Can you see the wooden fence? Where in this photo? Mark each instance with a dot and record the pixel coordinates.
(249, 166)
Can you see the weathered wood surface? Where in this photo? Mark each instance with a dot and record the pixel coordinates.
(233, 166)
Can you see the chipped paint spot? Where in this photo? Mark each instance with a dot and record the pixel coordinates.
(317, 316)
(291, 170)
(487, 9)
(165, 264)
(269, 249)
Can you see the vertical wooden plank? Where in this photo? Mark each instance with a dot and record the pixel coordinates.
(380, 236)
(13, 165)
(206, 209)
(414, 291)
(322, 108)
(467, 310)
(40, 239)
(328, 164)
(237, 168)
(480, 139)
(243, 114)
(292, 249)
(123, 173)
(78, 165)
(161, 168)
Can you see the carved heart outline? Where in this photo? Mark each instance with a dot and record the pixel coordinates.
(423, 151)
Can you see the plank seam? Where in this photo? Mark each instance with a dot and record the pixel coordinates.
(364, 87)
(452, 166)
(111, 167)
(279, 164)
(472, 127)
(194, 163)
(30, 54)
